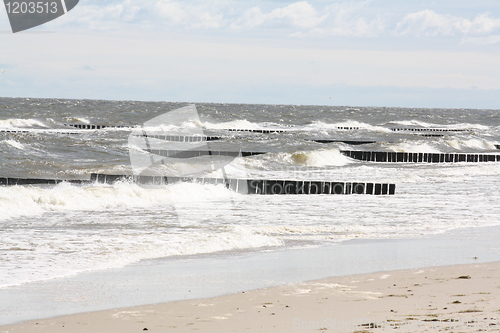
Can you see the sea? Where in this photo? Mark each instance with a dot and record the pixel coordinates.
(55, 231)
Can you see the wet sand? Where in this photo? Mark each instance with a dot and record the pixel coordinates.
(461, 298)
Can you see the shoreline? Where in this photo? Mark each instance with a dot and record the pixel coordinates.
(432, 299)
(196, 277)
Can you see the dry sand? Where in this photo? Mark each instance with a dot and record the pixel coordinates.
(463, 298)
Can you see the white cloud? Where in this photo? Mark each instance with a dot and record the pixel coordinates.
(251, 18)
(96, 17)
(340, 19)
(344, 21)
(300, 14)
(428, 23)
(300, 18)
(277, 19)
(206, 14)
(171, 11)
(481, 24)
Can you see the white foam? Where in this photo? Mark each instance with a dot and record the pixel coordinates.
(15, 144)
(79, 228)
(317, 158)
(455, 126)
(414, 122)
(472, 143)
(164, 129)
(18, 201)
(104, 248)
(20, 123)
(77, 120)
(320, 125)
(413, 147)
(102, 226)
(234, 124)
(310, 158)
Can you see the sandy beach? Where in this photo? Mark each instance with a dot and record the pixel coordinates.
(461, 298)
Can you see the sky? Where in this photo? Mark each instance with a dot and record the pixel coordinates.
(403, 53)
